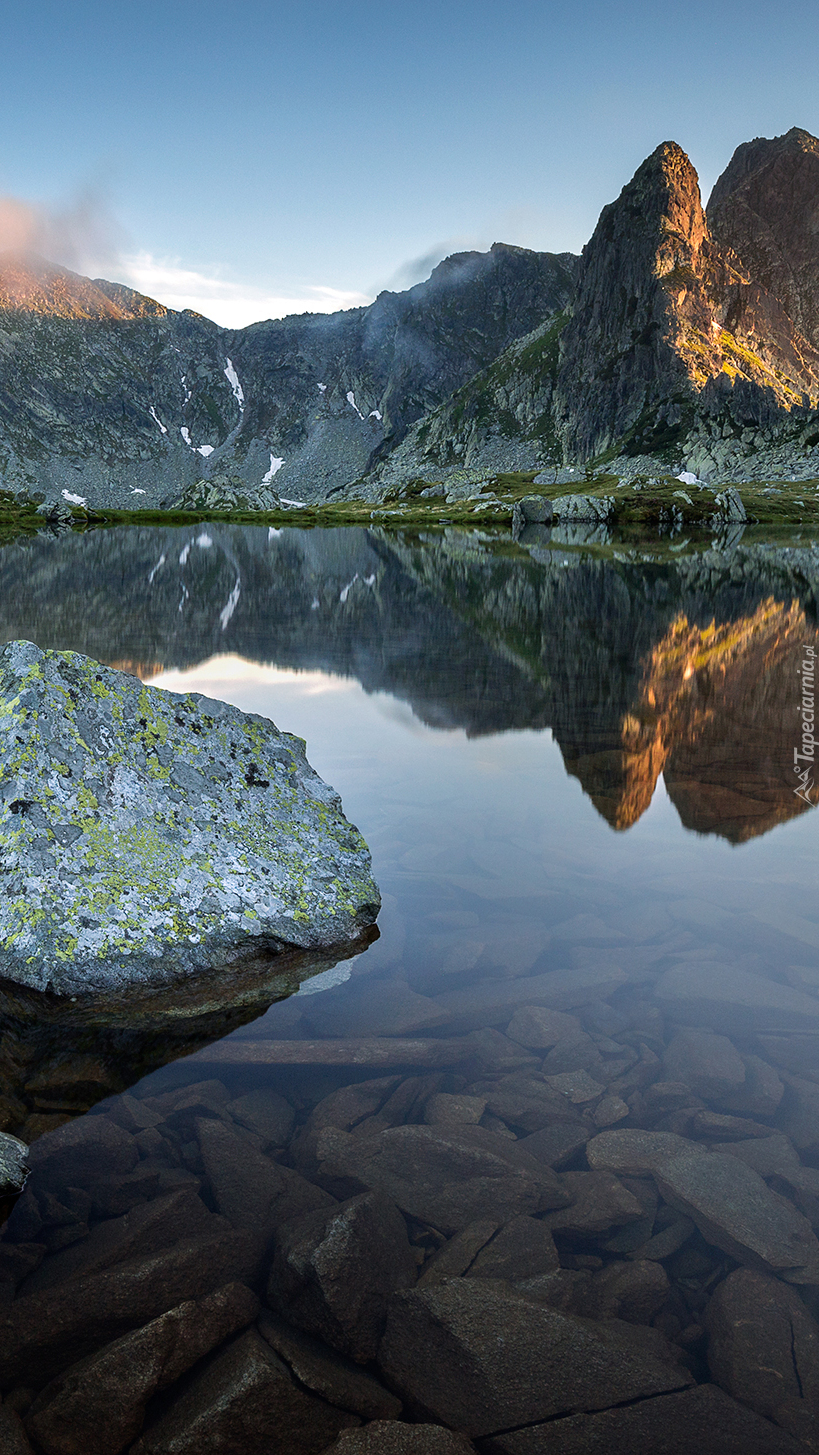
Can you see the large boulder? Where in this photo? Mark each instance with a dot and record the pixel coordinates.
(243, 1400)
(634, 1150)
(711, 1065)
(334, 1273)
(97, 1406)
(43, 1333)
(150, 835)
(736, 1001)
(445, 1175)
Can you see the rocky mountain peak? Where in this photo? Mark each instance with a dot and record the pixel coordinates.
(766, 207)
(31, 284)
(640, 293)
(663, 309)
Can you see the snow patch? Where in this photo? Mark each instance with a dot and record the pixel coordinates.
(686, 478)
(375, 414)
(184, 553)
(272, 533)
(351, 400)
(322, 388)
(206, 450)
(233, 380)
(74, 499)
(186, 434)
(232, 602)
(204, 541)
(158, 567)
(134, 491)
(369, 580)
(275, 466)
(157, 420)
(347, 589)
(301, 503)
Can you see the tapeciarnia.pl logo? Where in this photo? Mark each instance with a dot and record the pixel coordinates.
(806, 757)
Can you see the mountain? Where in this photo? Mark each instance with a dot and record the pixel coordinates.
(662, 314)
(690, 340)
(681, 337)
(114, 398)
(766, 207)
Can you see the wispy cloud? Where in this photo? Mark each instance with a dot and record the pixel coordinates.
(231, 304)
(80, 233)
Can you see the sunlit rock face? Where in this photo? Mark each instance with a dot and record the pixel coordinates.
(662, 309)
(766, 207)
(28, 284)
(148, 836)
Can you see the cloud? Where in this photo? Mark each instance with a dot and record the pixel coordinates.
(233, 305)
(416, 270)
(81, 233)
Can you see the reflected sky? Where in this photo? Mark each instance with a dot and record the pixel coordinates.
(488, 841)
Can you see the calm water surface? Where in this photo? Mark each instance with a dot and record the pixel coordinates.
(563, 766)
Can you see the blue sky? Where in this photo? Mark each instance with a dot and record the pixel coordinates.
(254, 158)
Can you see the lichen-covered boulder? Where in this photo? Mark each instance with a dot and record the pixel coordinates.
(149, 835)
(13, 1166)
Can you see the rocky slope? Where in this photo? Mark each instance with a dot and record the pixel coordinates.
(112, 398)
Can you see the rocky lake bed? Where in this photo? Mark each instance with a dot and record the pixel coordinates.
(535, 1170)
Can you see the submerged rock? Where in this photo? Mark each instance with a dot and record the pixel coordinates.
(702, 1419)
(98, 1405)
(482, 1359)
(150, 835)
(736, 1211)
(763, 1348)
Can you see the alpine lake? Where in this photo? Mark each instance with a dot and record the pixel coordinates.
(538, 1171)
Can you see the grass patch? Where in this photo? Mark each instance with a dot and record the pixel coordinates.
(643, 508)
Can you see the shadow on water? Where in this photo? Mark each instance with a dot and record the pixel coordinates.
(59, 1056)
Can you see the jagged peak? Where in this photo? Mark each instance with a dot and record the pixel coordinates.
(663, 197)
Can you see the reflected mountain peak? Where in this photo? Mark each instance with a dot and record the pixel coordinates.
(715, 715)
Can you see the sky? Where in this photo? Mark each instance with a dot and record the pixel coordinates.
(255, 159)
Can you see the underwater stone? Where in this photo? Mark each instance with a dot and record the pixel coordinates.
(149, 835)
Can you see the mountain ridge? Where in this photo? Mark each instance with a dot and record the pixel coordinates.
(682, 337)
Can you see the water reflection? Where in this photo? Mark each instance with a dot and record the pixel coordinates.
(639, 670)
(424, 676)
(570, 1094)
